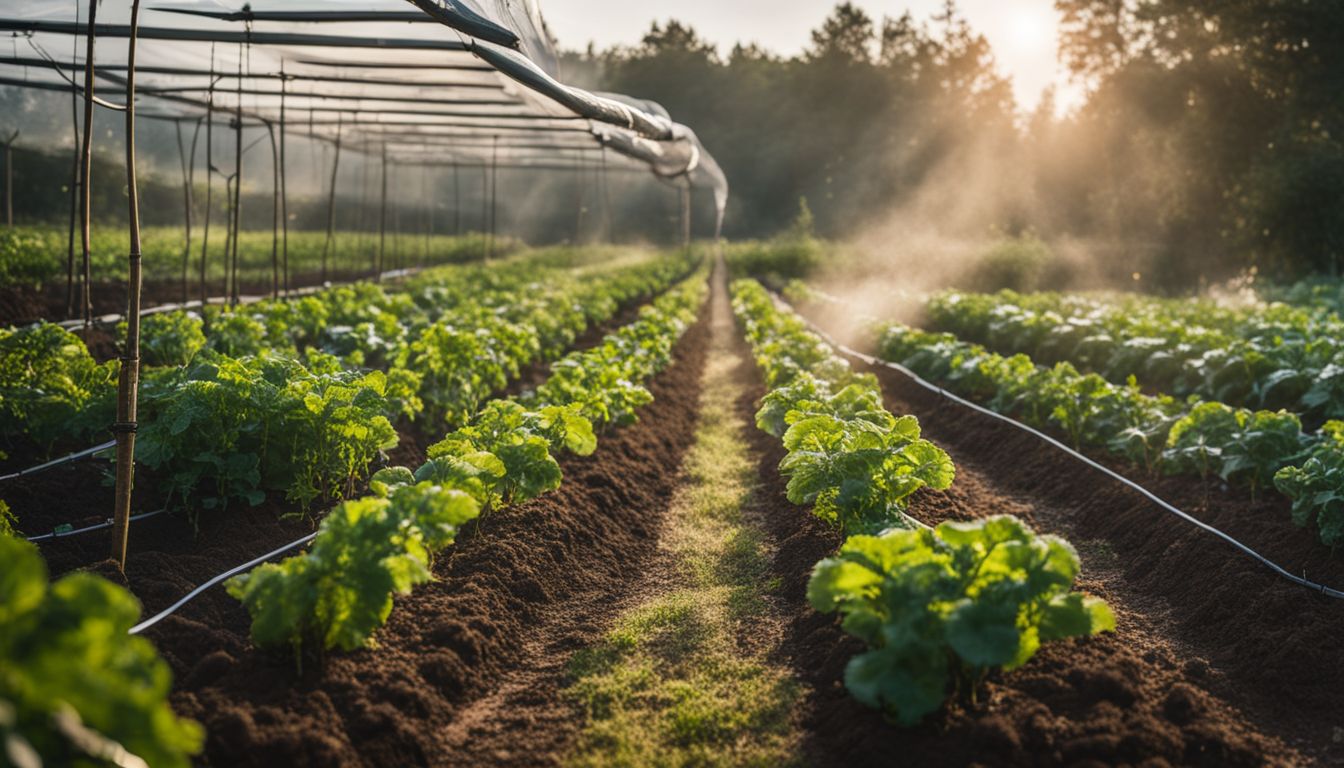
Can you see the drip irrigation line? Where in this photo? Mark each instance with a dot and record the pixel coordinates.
(225, 576)
(1159, 501)
(59, 534)
(63, 460)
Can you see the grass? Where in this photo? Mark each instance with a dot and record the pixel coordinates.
(683, 679)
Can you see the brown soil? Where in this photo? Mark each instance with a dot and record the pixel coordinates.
(517, 591)
(1216, 661)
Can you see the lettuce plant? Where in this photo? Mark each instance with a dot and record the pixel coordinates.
(939, 609)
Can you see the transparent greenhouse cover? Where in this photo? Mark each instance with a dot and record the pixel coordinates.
(432, 81)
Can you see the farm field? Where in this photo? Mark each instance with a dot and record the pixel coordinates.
(390, 384)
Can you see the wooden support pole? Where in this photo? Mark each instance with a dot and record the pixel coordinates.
(86, 163)
(129, 382)
(686, 213)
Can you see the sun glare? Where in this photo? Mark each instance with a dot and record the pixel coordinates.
(1030, 30)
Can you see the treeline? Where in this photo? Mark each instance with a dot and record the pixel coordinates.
(1210, 142)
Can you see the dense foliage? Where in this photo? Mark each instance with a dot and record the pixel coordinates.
(849, 458)
(74, 686)
(1204, 438)
(939, 608)
(51, 388)
(336, 595)
(1274, 357)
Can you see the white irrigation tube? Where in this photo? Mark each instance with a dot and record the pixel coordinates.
(873, 361)
(57, 462)
(91, 528)
(192, 595)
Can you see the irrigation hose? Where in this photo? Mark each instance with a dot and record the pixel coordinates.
(175, 607)
(63, 460)
(99, 527)
(875, 362)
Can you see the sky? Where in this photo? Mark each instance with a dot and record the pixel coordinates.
(1024, 33)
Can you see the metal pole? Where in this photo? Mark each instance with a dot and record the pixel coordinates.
(86, 163)
(74, 184)
(331, 203)
(129, 382)
(494, 195)
(209, 182)
(284, 192)
(457, 202)
(9, 179)
(187, 178)
(686, 213)
(238, 177)
(485, 211)
(382, 222)
(275, 212)
(578, 224)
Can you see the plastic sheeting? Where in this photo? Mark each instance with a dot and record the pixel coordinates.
(461, 81)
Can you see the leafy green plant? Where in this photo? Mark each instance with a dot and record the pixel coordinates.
(939, 609)
(855, 463)
(340, 592)
(7, 520)
(68, 665)
(51, 389)
(1316, 487)
(168, 338)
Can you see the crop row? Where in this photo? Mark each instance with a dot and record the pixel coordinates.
(1272, 357)
(74, 688)
(278, 397)
(36, 255)
(335, 596)
(937, 608)
(1258, 448)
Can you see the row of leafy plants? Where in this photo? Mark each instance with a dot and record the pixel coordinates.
(335, 596)
(31, 255)
(938, 609)
(1260, 449)
(77, 689)
(263, 416)
(1271, 357)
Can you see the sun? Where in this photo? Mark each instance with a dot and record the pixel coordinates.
(1029, 30)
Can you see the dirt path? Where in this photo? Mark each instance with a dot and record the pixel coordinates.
(1145, 693)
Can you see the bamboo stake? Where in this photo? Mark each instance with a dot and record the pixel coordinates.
(86, 163)
(129, 383)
